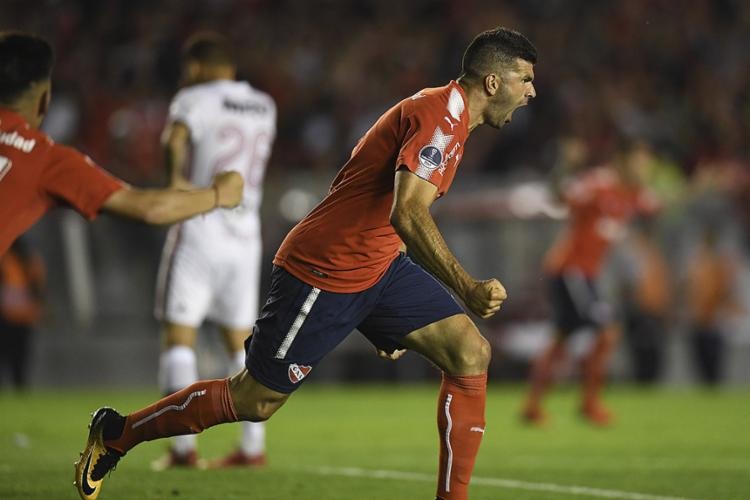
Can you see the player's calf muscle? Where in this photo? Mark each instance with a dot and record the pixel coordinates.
(252, 401)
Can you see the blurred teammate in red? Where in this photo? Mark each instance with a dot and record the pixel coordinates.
(600, 203)
(343, 268)
(36, 174)
(22, 282)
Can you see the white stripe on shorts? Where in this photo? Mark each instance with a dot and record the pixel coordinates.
(298, 321)
(579, 292)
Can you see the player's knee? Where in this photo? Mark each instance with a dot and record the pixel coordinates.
(483, 354)
(472, 358)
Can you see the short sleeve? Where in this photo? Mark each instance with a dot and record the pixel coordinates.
(423, 147)
(185, 108)
(72, 178)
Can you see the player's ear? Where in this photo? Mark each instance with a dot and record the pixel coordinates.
(44, 101)
(492, 83)
(190, 72)
(45, 96)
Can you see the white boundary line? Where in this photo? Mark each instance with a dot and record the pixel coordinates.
(490, 481)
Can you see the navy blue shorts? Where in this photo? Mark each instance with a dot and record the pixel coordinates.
(300, 324)
(577, 303)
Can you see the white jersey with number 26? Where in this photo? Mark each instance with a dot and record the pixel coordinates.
(232, 127)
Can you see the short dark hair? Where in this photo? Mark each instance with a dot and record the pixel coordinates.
(24, 59)
(209, 48)
(499, 46)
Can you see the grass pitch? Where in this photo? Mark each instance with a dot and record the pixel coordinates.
(380, 442)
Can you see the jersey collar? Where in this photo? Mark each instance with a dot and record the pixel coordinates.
(465, 115)
(9, 118)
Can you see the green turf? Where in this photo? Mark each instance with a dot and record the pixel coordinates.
(684, 444)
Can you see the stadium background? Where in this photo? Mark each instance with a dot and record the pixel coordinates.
(670, 73)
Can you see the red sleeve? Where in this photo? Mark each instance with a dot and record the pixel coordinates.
(72, 178)
(423, 147)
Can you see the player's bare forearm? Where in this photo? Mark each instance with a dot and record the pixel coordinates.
(161, 206)
(410, 216)
(418, 230)
(167, 206)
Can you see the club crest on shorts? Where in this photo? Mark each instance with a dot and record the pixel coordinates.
(430, 157)
(297, 372)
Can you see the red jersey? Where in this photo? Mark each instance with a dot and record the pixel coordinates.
(37, 174)
(346, 243)
(600, 206)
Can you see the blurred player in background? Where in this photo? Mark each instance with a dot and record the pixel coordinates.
(22, 280)
(600, 203)
(646, 296)
(210, 269)
(711, 302)
(36, 174)
(343, 267)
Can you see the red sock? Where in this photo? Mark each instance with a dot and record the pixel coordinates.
(461, 427)
(189, 411)
(542, 374)
(595, 368)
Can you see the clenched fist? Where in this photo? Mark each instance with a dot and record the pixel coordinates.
(485, 297)
(228, 186)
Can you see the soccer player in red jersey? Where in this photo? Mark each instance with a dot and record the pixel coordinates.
(36, 174)
(343, 267)
(601, 202)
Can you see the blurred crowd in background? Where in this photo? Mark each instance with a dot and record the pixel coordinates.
(669, 77)
(654, 69)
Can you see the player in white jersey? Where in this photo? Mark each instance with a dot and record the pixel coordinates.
(210, 266)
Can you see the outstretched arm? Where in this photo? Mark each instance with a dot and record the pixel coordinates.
(166, 206)
(410, 216)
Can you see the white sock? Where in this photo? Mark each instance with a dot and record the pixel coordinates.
(177, 370)
(253, 437)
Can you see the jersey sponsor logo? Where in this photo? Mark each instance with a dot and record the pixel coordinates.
(298, 372)
(430, 157)
(5, 165)
(454, 153)
(244, 107)
(14, 140)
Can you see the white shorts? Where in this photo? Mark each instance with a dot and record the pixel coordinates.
(204, 277)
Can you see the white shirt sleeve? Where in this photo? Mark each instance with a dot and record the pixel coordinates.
(186, 108)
